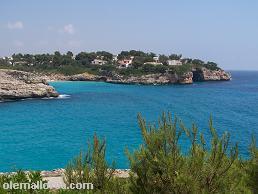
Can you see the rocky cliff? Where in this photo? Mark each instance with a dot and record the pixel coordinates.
(20, 85)
(155, 79)
(78, 77)
(150, 79)
(204, 74)
(85, 77)
(195, 75)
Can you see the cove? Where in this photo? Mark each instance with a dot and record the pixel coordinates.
(45, 134)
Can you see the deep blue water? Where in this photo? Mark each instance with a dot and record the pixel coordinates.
(45, 134)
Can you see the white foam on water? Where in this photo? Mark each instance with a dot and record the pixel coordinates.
(47, 98)
(63, 96)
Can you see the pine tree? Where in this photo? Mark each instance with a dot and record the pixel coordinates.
(160, 166)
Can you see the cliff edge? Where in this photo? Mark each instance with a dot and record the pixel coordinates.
(16, 85)
(204, 74)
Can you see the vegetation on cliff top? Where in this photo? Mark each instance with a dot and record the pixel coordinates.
(210, 165)
(103, 63)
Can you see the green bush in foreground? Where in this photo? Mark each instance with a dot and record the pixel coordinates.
(91, 167)
(252, 168)
(22, 177)
(160, 166)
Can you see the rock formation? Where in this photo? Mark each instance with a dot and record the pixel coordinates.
(85, 77)
(155, 79)
(195, 75)
(186, 78)
(204, 74)
(20, 85)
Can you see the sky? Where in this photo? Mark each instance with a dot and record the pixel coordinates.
(222, 31)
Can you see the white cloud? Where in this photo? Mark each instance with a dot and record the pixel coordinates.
(15, 25)
(69, 29)
(18, 43)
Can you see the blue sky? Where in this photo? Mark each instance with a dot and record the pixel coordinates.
(222, 31)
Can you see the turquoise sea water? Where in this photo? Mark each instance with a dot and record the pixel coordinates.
(46, 133)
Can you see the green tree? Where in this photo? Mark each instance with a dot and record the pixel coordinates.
(85, 58)
(57, 53)
(197, 62)
(123, 55)
(252, 167)
(91, 167)
(163, 59)
(69, 54)
(106, 55)
(159, 165)
(137, 53)
(175, 56)
(211, 65)
(57, 58)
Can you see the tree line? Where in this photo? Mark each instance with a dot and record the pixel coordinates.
(70, 64)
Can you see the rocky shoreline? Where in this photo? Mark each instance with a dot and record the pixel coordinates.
(196, 75)
(55, 178)
(210, 75)
(15, 85)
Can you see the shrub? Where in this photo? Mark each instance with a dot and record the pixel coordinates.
(159, 165)
(21, 177)
(252, 168)
(91, 167)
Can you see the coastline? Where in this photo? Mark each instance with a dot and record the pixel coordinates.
(17, 85)
(202, 75)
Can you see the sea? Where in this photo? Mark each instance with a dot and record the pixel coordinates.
(45, 134)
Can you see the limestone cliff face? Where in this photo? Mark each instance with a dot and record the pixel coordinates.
(205, 74)
(153, 79)
(186, 78)
(85, 77)
(20, 85)
(77, 77)
(195, 75)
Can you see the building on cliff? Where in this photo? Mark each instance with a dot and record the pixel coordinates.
(99, 62)
(153, 63)
(174, 62)
(125, 63)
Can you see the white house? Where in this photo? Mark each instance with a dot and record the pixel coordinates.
(125, 63)
(174, 62)
(153, 63)
(156, 59)
(99, 62)
(20, 63)
(114, 58)
(7, 58)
